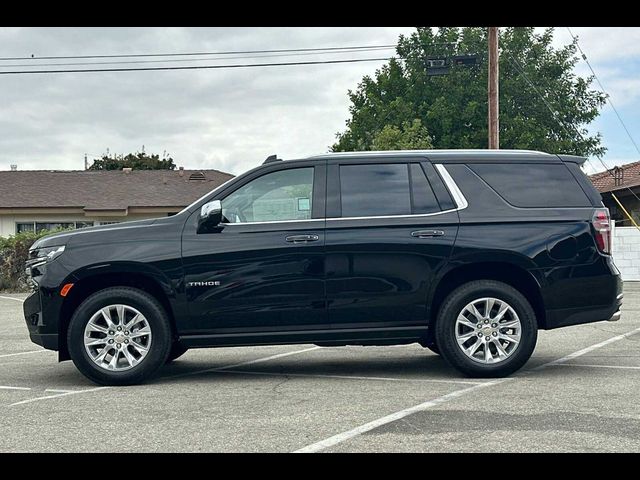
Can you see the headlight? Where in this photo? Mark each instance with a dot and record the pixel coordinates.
(46, 254)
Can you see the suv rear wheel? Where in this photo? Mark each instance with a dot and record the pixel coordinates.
(119, 336)
(486, 328)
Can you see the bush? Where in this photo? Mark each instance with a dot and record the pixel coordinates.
(14, 251)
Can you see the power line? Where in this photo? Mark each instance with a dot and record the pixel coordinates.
(584, 57)
(236, 52)
(243, 57)
(520, 70)
(197, 67)
(515, 63)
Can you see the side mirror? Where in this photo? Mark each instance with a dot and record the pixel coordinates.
(210, 216)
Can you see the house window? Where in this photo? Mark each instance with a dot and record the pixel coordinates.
(39, 226)
(84, 224)
(25, 227)
(52, 225)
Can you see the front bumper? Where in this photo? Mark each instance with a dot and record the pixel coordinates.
(41, 315)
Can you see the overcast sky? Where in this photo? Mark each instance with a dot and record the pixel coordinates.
(230, 119)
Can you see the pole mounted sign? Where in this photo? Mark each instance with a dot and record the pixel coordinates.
(442, 65)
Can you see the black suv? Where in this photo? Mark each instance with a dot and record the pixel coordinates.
(468, 253)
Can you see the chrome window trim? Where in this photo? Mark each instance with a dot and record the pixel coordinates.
(458, 197)
(275, 221)
(345, 218)
(415, 215)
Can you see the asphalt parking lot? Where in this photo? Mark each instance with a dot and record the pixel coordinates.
(579, 392)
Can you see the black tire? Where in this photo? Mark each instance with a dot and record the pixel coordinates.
(176, 351)
(454, 304)
(158, 322)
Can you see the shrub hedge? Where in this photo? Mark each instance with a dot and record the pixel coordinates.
(14, 251)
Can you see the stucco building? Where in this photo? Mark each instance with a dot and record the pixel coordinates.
(32, 200)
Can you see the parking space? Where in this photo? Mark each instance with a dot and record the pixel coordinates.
(579, 392)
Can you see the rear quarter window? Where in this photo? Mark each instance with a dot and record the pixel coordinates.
(533, 185)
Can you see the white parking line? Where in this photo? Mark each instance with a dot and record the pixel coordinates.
(6, 387)
(22, 353)
(266, 359)
(76, 392)
(241, 364)
(342, 437)
(65, 393)
(12, 298)
(350, 377)
(597, 366)
(586, 350)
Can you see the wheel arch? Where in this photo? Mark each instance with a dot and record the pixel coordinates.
(514, 275)
(93, 279)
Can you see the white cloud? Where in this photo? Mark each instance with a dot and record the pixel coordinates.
(225, 119)
(603, 44)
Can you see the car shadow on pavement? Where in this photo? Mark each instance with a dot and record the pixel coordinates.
(400, 367)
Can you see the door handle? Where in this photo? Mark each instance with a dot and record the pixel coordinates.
(427, 233)
(302, 238)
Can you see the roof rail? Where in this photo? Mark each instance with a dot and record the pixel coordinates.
(433, 153)
(272, 158)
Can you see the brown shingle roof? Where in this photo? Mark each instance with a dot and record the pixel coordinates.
(629, 175)
(104, 190)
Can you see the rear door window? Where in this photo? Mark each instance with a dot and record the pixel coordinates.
(375, 190)
(533, 185)
(384, 189)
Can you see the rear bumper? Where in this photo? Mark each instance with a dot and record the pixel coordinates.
(591, 313)
(618, 313)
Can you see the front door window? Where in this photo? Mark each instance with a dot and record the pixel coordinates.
(279, 196)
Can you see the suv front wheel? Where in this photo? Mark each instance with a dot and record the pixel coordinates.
(119, 336)
(486, 328)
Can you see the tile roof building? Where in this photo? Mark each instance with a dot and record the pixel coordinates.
(624, 182)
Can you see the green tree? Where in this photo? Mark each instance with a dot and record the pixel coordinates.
(410, 136)
(137, 161)
(453, 107)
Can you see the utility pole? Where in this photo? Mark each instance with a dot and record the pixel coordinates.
(494, 139)
(86, 162)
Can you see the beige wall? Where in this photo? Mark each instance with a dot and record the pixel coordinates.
(8, 221)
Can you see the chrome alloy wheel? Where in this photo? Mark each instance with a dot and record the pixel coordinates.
(488, 330)
(117, 337)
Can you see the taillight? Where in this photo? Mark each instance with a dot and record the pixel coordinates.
(602, 226)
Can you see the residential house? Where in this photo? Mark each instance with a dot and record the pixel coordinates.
(624, 182)
(33, 200)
